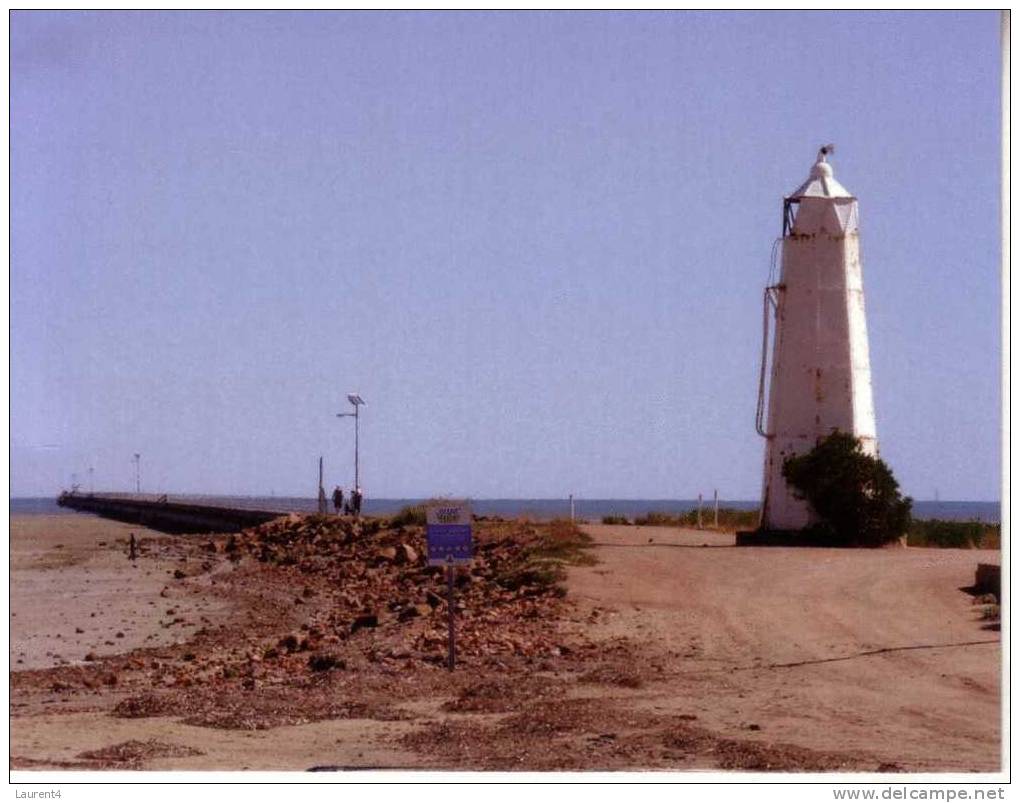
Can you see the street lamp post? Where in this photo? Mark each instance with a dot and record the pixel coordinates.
(138, 473)
(357, 401)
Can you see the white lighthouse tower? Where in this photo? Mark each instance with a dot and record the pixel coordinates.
(821, 375)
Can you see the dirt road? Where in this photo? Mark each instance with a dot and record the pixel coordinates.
(877, 651)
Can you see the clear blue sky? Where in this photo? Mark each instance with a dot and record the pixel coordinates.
(535, 243)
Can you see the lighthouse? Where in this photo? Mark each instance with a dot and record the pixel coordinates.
(820, 377)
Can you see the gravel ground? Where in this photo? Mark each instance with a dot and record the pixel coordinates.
(319, 643)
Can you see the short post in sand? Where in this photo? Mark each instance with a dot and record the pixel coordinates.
(449, 542)
(451, 640)
(132, 548)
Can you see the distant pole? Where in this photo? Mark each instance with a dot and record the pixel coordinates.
(571, 507)
(715, 498)
(92, 487)
(322, 490)
(138, 473)
(357, 401)
(699, 511)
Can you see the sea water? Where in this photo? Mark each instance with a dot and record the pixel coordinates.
(590, 509)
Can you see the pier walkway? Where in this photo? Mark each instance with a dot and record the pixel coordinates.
(168, 514)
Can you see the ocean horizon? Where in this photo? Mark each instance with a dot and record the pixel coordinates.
(549, 508)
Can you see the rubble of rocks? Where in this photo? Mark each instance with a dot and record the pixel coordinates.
(369, 586)
(331, 617)
(599, 734)
(133, 753)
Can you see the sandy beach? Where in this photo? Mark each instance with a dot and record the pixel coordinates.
(673, 649)
(74, 591)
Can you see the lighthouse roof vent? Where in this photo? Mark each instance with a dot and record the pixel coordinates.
(820, 183)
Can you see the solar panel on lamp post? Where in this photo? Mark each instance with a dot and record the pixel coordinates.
(357, 401)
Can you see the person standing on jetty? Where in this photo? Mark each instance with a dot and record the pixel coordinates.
(356, 501)
(338, 499)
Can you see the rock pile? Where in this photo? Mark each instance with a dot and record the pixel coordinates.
(326, 617)
(367, 587)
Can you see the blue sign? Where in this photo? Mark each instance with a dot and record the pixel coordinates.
(448, 533)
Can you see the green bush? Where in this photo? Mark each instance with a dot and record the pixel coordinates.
(615, 520)
(729, 519)
(410, 516)
(954, 534)
(542, 561)
(563, 541)
(854, 494)
(415, 515)
(656, 519)
(992, 539)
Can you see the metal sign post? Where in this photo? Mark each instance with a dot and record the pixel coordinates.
(451, 641)
(449, 539)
